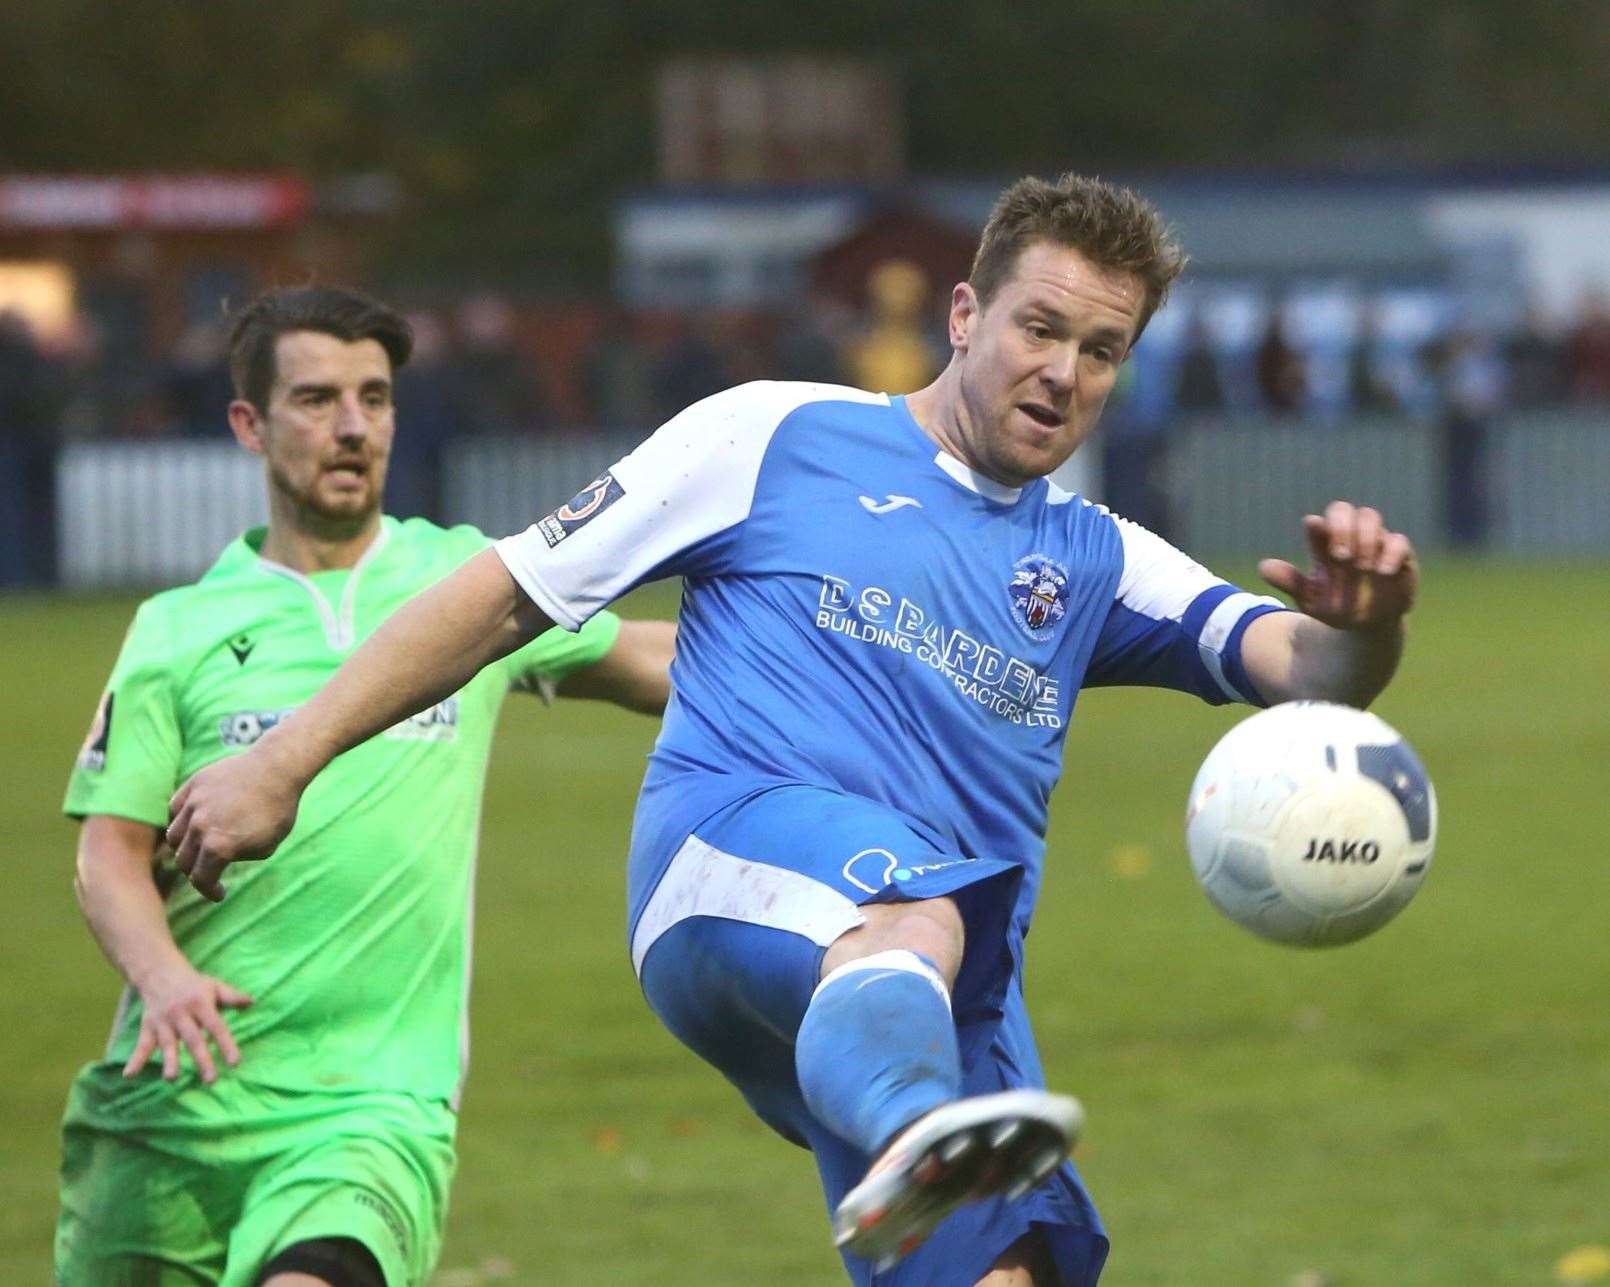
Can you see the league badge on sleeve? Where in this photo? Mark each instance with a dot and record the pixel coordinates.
(1039, 591)
(580, 509)
(92, 755)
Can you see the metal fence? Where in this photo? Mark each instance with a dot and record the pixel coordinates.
(1240, 489)
(157, 513)
(503, 485)
(1553, 492)
(136, 513)
(151, 513)
(1545, 477)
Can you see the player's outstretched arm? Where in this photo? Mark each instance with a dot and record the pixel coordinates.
(634, 673)
(240, 808)
(1346, 644)
(119, 899)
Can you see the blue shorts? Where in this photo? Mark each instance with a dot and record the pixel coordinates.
(729, 950)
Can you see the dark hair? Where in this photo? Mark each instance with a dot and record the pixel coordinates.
(1111, 226)
(330, 310)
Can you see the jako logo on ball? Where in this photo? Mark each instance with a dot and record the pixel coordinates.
(1341, 851)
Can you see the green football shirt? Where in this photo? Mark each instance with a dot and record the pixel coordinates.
(354, 937)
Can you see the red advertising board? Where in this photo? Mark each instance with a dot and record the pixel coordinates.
(187, 202)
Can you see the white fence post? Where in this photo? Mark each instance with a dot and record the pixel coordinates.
(151, 513)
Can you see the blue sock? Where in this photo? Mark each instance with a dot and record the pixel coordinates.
(877, 1047)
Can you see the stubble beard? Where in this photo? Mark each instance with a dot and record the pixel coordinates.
(340, 521)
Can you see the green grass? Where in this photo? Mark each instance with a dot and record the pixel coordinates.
(1428, 1106)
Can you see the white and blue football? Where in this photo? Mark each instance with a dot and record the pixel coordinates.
(1311, 824)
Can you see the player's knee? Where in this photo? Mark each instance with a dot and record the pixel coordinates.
(323, 1262)
(932, 928)
(1026, 1263)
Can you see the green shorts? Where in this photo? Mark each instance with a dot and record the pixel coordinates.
(179, 1185)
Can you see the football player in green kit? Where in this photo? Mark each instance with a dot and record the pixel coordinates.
(277, 1102)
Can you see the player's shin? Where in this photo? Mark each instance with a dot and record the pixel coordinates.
(877, 1047)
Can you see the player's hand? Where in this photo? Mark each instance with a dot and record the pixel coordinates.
(234, 810)
(1364, 576)
(182, 1008)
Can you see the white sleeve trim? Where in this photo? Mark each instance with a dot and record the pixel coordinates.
(1161, 582)
(1216, 632)
(1222, 621)
(508, 549)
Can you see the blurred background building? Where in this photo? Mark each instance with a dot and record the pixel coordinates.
(1399, 229)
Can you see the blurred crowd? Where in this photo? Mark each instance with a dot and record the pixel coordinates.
(1325, 354)
(1313, 358)
(486, 365)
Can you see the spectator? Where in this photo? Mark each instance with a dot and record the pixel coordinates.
(1200, 389)
(1134, 443)
(1536, 363)
(94, 402)
(744, 341)
(27, 450)
(691, 368)
(618, 374)
(893, 354)
(196, 381)
(1588, 351)
(431, 386)
(1282, 377)
(811, 343)
(1370, 390)
(501, 391)
(1470, 378)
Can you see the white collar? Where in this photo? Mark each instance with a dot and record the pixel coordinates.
(974, 481)
(340, 627)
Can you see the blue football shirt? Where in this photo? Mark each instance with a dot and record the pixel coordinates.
(864, 612)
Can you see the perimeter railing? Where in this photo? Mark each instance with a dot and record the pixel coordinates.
(154, 513)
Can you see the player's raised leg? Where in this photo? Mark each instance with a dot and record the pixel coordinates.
(854, 980)
(878, 1064)
(877, 1046)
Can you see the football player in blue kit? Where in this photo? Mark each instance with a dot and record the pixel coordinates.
(888, 612)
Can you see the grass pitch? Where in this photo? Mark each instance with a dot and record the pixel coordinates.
(1428, 1106)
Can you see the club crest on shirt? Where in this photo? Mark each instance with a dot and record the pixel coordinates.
(591, 501)
(1039, 593)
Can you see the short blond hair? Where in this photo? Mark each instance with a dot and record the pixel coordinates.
(1111, 226)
